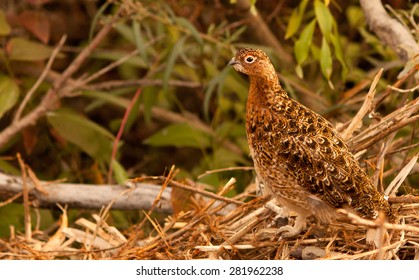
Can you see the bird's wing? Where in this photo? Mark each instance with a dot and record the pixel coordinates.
(320, 160)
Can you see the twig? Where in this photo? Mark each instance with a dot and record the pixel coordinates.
(380, 162)
(397, 84)
(86, 52)
(40, 79)
(109, 67)
(248, 219)
(396, 183)
(37, 184)
(120, 131)
(25, 190)
(189, 188)
(214, 248)
(366, 107)
(404, 90)
(157, 199)
(350, 93)
(412, 146)
(388, 124)
(245, 229)
(403, 199)
(103, 216)
(381, 132)
(381, 235)
(141, 82)
(208, 172)
(357, 220)
(11, 199)
(220, 193)
(369, 253)
(116, 63)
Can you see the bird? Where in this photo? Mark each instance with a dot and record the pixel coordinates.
(298, 156)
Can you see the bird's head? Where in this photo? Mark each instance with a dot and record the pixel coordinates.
(252, 62)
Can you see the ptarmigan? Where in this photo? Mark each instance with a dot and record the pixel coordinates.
(298, 155)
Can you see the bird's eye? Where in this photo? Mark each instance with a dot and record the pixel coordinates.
(249, 59)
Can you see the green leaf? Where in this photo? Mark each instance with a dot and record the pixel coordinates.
(326, 59)
(7, 167)
(224, 158)
(324, 18)
(119, 172)
(177, 49)
(133, 114)
(112, 55)
(302, 45)
(105, 97)
(253, 10)
(149, 99)
(21, 49)
(91, 138)
(235, 36)
(355, 16)
(179, 135)
(295, 19)
(4, 26)
(125, 31)
(230, 129)
(189, 26)
(139, 40)
(339, 54)
(186, 72)
(212, 84)
(9, 94)
(299, 71)
(315, 52)
(99, 13)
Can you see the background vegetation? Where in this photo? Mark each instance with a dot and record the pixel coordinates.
(190, 109)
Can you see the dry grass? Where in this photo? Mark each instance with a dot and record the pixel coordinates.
(245, 232)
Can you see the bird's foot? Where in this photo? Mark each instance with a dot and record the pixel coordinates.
(292, 231)
(280, 212)
(282, 215)
(287, 231)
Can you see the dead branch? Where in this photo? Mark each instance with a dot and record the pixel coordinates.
(389, 30)
(390, 123)
(357, 220)
(403, 199)
(87, 196)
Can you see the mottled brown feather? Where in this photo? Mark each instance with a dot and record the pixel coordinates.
(297, 154)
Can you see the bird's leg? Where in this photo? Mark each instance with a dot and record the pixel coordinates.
(260, 187)
(292, 231)
(280, 211)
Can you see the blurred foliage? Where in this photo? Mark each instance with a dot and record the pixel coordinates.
(191, 111)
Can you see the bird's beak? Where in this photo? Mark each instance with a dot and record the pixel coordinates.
(232, 62)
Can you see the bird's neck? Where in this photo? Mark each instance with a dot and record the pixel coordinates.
(263, 88)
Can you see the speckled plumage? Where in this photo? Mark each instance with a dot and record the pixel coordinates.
(298, 155)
